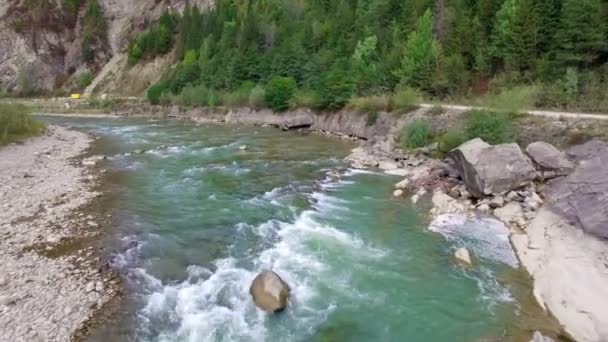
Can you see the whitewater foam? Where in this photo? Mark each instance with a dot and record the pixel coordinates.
(486, 237)
(215, 305)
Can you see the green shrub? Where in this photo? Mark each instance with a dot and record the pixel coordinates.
(373, 103)
(155, 91)
(158, 40)
(256, 97)
(512, 100)
(303, 99)
(83, 79)
(372, 118)
(436, 110)
(279, 92)
(167, 97)
(213, 100)
(450, 140)
(494, 128)
(576, 91)
(238, 98)
(93, 29)
(406, 99)
(16, 124)
(72, 6)
(24, 81)
(194, 96)
(105, 104)
(336, 87)
(418, 134)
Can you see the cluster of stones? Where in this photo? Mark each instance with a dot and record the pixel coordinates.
(50, 285)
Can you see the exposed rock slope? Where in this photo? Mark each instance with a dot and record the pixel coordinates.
(44, 40)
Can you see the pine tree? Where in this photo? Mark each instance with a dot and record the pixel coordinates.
(503, 30)
(364, 64)
(486, 14)
(548, 12)
(420, 55)
(521, 51)
(581, 34)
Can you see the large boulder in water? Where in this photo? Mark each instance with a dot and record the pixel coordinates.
(270, 293)
(549, 160)
(488, 169)
(582, 197)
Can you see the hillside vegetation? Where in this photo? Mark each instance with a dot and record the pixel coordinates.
(445, 49)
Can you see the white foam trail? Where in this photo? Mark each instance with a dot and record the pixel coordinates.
(352, 172)
(325, 203)
(486, 237)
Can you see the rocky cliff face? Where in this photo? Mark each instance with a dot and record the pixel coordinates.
(36, 41)
(41, 41)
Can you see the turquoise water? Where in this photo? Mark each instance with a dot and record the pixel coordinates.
(195, 218)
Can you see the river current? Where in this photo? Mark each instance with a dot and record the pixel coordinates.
(196, 215)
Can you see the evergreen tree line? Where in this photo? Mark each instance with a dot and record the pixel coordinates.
(337, 49)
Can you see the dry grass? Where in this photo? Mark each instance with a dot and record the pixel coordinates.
(17, 124)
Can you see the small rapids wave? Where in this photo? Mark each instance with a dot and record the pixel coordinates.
(193, 149)
(215, 305)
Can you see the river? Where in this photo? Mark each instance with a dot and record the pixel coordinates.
(195, 216)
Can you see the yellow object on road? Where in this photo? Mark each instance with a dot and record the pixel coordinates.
(75, 96)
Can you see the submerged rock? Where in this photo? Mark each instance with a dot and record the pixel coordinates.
(270, 293)
(462, 255)
(488, 169)
(538, 337)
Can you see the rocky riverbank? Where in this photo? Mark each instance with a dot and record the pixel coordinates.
(552, 203)
(555, 204)
(52, 281)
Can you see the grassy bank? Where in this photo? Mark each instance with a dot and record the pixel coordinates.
(17, 124)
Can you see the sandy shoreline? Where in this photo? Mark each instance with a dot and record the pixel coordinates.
(48, 292)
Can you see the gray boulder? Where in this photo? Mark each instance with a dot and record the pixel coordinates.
(296, 120)
(488, 169)
(270, 293)
(549, 161)
(582, 197)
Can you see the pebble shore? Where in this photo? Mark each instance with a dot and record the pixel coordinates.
(49, 292)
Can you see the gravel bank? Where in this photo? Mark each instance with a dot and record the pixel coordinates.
(51, 282)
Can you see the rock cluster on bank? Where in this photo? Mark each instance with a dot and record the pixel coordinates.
(556, 204)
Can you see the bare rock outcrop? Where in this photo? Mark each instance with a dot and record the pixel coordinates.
(549, 161)
(488, 169)
(582, 197)
(42, 41)
(570, 274)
